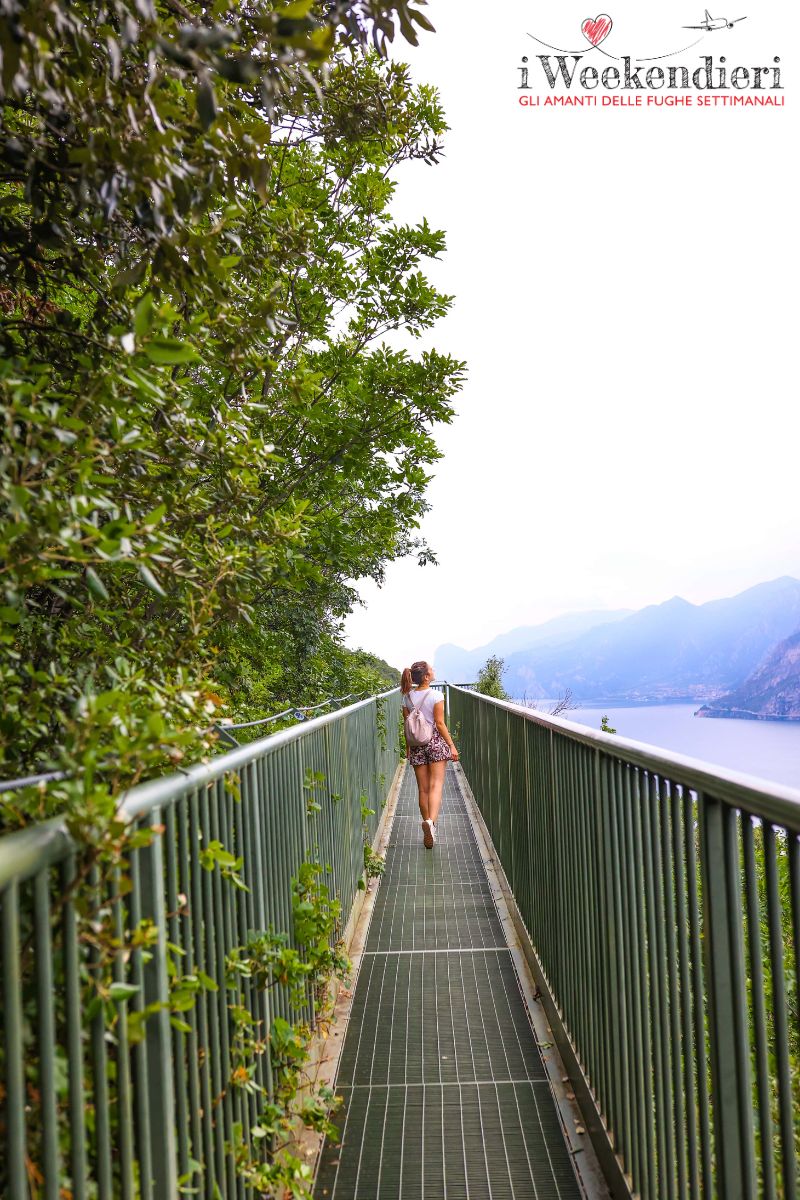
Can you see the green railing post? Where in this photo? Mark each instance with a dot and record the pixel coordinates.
(727, 1082)
(158, 1037)
(15, 1077)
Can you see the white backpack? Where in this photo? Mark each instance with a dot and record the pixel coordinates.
(419, 729)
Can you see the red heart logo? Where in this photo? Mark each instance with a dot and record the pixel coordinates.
(597, 30)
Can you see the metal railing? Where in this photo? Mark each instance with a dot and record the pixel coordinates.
(98, 1101)
(662, 900)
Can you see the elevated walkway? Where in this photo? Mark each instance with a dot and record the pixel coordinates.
(654, 899)
(445, 1092)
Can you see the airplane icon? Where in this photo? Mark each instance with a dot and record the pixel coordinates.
(711, 23)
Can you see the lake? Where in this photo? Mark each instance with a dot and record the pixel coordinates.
(767, 749)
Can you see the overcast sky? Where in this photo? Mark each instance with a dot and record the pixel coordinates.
(626, 301)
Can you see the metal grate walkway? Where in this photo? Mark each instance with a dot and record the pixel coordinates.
(445, 1094)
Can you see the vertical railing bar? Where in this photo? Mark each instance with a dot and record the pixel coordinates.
(157, 1031)
(624, 1130)
(47, 1035)
(15, 1076)
(190, 1043)
(616, 1007)
(780, 1015)
(668, 860)
(716, 936)
(794, 893)
(124, 1089)
(249, 914)
(140, 1069)
(759, 1022)
(691, 833)
(739, 999)
(179, 1051)
(99, 1062)
(77, 1127)
(640, 1067)
(602, 1083)
(665, 1140)
(685, 990)
(567, 988)
(235, 801)
(263, 868)
(222, 908)
(206, 1002)
(645, 982)
(579, 873)
(241, 815)
(584, 816)
(215, 1002)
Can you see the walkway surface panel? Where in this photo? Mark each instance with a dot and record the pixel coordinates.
(445, 1093)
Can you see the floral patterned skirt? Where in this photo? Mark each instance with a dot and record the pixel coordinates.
(437, 750)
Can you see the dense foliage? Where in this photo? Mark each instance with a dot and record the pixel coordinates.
(206, 437)
(206, 440)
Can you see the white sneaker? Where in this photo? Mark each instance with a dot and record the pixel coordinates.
(428, 834)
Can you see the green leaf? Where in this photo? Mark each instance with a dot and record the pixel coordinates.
(206, 100)
(154, 517)
(149, 578)
(10, 616)
(95, 584)
(421, 19)
(170, 350)
(120, 992)
(143, 315)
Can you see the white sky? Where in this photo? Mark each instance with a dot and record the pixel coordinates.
(626, 299)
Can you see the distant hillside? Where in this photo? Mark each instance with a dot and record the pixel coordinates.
(674, 650)
(461, 666)
(771, 693)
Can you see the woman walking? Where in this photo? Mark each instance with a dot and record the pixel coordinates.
(429, 760)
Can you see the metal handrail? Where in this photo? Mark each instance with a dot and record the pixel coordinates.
(14, 785)
(147, 796)
(292, 712)
(221, 727)
(18, 850)
(660, 900)
(776, 801)
(174, 1098)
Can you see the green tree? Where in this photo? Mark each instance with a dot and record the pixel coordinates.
(205, 439)
(205, 433)
(490, 678)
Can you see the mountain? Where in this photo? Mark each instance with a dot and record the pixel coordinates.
(459, 665)
(674, 650)
(771, 693)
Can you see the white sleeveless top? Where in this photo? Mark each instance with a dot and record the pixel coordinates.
(424, 699)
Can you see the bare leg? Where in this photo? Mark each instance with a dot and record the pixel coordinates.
(423, 786)
(437, 770)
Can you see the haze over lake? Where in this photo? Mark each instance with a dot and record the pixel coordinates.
(767, 749)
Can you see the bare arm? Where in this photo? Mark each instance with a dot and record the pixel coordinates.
(438, 717)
